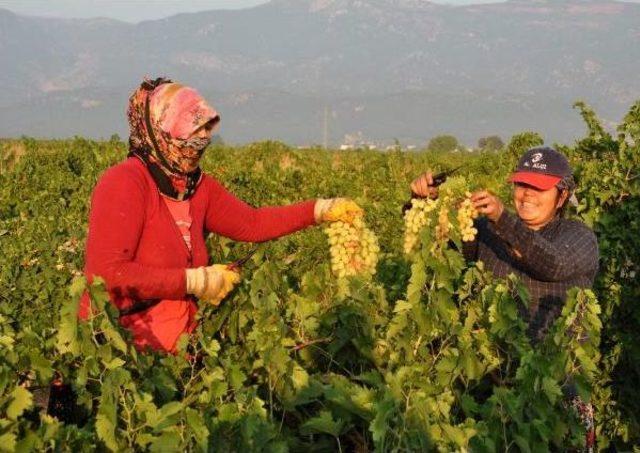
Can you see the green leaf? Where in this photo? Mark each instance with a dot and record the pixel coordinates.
(21, 400)
(551, 389)
(522, 443)
(168, 442)
(105, 429)
(212, 348)
(236, 377)
(8, 442)
(299, 377)
(198, 428)
(107, 417)
(455, 435)
(228, 413)
(384, 411)
(471, 365)
(165, 416)
(323, 423)
(417, 281)
(144, 439)
(41, 365)
(115, 363)
(113, 336)
(67, 338)
(402, 306)
(469, 405)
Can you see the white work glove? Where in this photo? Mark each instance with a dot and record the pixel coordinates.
(211, 283)
(336, 209)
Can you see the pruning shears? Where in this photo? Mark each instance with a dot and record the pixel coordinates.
(438, 179)
(442, 176)
(239, 263)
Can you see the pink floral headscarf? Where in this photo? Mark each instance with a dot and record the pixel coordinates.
(163, 116)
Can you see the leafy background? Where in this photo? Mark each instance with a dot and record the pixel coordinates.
(429, 355)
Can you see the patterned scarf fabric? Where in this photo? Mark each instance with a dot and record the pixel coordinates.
(163, 116)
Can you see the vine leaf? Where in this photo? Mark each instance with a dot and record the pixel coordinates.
(21, 400)
(67, 340)
(323, 423)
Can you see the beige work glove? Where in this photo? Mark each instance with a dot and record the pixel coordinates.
(212, 283)
(336, 209)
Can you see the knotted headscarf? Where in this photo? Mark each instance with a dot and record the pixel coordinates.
(163, 116)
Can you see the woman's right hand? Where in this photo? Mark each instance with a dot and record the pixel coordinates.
(336, 209)
(423, 186)
(211, 283)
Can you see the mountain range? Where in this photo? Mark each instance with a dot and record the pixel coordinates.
(374, 69)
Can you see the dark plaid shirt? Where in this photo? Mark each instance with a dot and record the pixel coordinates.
(561, 255)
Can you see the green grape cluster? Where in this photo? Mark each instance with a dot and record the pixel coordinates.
(466, 214)
(354, 248)
(415, 219)
(444, 226)
(439, 212)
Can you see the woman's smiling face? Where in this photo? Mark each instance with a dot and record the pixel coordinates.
(537, 207)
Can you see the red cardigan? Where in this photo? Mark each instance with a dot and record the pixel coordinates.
(135, 245)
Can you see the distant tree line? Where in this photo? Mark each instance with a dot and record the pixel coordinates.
(448, 143)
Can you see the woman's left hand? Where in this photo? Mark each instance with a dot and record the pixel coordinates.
(230, 278)
(211, 283)
(337, 209)
(488, 204)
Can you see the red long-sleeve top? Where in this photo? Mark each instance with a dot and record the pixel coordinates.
(136, 246)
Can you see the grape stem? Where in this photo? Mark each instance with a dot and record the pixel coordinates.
(310, 343)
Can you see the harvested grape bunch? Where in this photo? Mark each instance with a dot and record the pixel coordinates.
(354, 248)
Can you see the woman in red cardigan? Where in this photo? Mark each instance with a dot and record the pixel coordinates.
(151, 213)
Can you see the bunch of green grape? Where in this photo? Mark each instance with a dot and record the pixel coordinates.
(443, 226)
(354, 248)
(453, 200)
(466, 215)
(415, 219)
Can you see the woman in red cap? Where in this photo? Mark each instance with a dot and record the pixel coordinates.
(550, 254)
(150, 216)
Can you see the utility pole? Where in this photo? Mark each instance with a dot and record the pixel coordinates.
(325, 138)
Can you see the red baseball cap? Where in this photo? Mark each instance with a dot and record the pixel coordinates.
(537, 180)
(541, 168)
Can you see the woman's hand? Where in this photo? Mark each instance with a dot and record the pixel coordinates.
(336, 209)
(488, 204)
(423, 186)
(212, 283)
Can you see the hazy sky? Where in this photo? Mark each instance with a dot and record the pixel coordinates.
(137, 10)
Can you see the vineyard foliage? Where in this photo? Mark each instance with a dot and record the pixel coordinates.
(428, 354)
